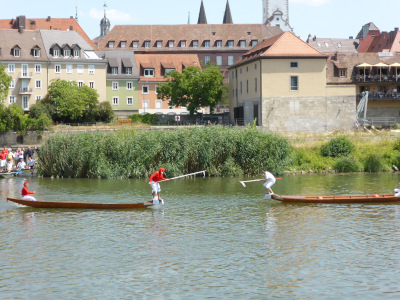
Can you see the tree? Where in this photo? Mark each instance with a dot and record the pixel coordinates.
(193, 88)
(5, 81)
(71, 101)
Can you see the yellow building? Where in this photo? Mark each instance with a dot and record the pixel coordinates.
(282, 84)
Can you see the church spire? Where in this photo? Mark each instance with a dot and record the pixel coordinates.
(228, 15)
(202, 15)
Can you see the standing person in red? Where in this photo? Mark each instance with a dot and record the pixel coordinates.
(26, 193)
(155, 183)
(3, 161)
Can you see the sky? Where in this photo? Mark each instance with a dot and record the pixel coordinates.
(322, 18)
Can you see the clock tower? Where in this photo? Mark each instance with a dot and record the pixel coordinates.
(276, 13)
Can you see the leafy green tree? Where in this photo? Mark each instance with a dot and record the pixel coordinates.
(193, 88)
(13, 118)
(69, 100)
(5, 81)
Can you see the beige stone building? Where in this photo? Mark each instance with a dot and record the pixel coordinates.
(282, 83)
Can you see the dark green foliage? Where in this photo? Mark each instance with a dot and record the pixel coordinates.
(129, 153)
(340, 146)
(375, 163)
(104, 112)
(13, 118)
(5, 81)
(348, 164)
(151, 119)
(396, 145)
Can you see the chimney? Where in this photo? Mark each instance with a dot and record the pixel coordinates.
(21, 24)
(350, 37)
(71, 27)
(396, 29)
(48, 19)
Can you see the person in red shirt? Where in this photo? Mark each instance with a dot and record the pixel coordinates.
(5, 150)
(3, 161)
(26, 193)
(155, 183)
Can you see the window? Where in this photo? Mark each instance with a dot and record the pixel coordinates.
(156, 89)
(123, 44)
(115, 86)
(11, 68)
(38, 69)
(219, 44)
(38, 97)
(254, 43)
(110, 44)
(38, 84)
(80, 83)
(11, 99)
(25, 70)
(128, 71)
(294, 64)
(145, 104)
(159, 44)
(207, 44)
(241, 90)
(80, 69)
(145, 89)
(342, 73)
(294, 83)
(129, 100)
(12, 84)
(247, 69)
(230, 44)
(56, 52)
(233, 75)
(158, 104)
(183, 44)
(67, 53)
(171, 44)
(255, 84)
(91, 69)
(77, 53)
(91, 84)
(129, 85)
(147, 44)
(219, 60)
(57, 69)
(69, 69)
(17, 52)
(255, 66)
(339, 45)
(114, 70)
(247, 86)
(135, 44)
(36, 52)
(242, 44)
(148, 72)
(195, 44)
(115, 100)
(167, 70)
(25, 102)
(206, 59)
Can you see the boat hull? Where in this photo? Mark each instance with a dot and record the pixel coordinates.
(80, 205)
(377, 198)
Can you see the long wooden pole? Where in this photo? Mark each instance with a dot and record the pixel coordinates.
(243, 182)
(186, 175)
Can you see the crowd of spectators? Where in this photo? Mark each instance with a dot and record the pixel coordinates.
(18, 160)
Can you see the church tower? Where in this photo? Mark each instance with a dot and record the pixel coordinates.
(104, 25)
(276, 13)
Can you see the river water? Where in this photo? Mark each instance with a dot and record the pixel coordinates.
(213, 239)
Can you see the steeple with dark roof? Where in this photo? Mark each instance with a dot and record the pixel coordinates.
(202, 15)
(228, 15)
(104, 25)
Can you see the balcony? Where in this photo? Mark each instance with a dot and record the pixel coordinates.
(25, 75)
(376, 79)
(25, 91)
(380, 96)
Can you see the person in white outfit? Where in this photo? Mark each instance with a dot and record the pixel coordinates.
(269, 181)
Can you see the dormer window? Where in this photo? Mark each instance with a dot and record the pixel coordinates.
(17, 51)
(159, 44)
(148, 72)
(230, 44)
(254, 43)
(147, 44)
(128, 71)
(114, 71)
(183, 44)
(207, 44)
(135, 44)
(167, 70)
(219, 44)
(195, 44)
(67, 53)
(242, 44)
(171, 44)
(111, 44)
(56, 52)
(77, 53)
(123, 44)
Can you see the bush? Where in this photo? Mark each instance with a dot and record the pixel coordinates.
(105, 112)
(340, 146)
(396, 145)
(151, 119)
(374, 163)
(348, 164)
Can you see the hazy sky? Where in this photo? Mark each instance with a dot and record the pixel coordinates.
(323, 18)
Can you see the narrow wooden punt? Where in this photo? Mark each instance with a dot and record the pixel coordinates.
(80, 205)
(377, 198)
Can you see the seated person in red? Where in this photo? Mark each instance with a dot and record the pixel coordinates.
(26, 193)
(155, 185)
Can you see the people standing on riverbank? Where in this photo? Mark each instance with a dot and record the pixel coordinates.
(21, 165)
(10, 166)
(28, 153)
(26, 193)
(3, 161)
(155, 183)
(269, 181)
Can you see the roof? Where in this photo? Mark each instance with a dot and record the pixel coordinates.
(49, 23)
(120, 60)
(26, 41)
(227, 16)
(189, 33)
(285, 45)
(202, 15)
(72, 38)
(162, 61)
(328, 45)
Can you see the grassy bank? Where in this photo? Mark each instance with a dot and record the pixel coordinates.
(222, 151)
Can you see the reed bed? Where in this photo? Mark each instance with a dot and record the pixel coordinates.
(222, 151)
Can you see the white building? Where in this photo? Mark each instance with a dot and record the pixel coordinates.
(276, 13)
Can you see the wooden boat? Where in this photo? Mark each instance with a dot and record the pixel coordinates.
(81, 205)
(377, 198)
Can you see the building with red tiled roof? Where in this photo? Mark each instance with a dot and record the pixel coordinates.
(152, 68)
(282, 84)
(372, 40)
(66, 24)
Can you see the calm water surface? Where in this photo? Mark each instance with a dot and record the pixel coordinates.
(213, 239)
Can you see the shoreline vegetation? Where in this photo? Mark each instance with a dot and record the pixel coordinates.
(222, 151)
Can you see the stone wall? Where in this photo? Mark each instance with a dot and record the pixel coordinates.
(309, 114)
